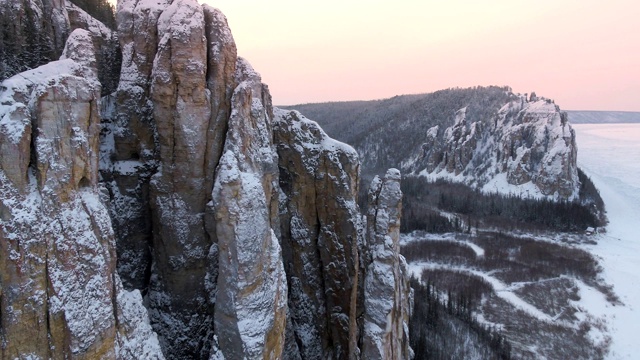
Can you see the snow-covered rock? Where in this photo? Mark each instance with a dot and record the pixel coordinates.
(181, 112)
(183, 96)
(128, 154)
(319, 179)
(251, 290)
(60, 294)
(527, 148)
(237, 232)
(387, 295)
(487, 137)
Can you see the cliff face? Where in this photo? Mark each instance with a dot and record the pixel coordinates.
(60, 295)
(528, 147)
(319, 218)
(34, 33)
(488, 138)
(236, 222)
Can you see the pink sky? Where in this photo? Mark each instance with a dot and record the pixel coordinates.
(584, 54)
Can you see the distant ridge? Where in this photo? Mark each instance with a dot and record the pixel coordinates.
(603, 117)
(487, 137)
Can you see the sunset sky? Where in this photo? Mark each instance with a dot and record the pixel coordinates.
(584, 54)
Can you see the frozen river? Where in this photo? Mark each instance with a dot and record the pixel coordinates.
(610, 155)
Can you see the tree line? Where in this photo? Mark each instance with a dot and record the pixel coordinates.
(440, 323)
(425, 200)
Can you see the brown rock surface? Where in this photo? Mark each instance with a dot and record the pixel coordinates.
(251, 297)
(319, 178)
(181, 112)
(60, 295)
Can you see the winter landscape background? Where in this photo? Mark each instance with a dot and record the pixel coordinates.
(609, 154)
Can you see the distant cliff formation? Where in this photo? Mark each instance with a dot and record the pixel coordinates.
(183, 216)
(489, 138)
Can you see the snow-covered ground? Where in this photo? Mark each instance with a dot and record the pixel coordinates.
(610, 155)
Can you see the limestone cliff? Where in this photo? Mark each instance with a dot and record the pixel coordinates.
(349, 296)
(191, 167)
(60, 296)
(528, 147)
(487, 137)
(319, 178)
(234, 223)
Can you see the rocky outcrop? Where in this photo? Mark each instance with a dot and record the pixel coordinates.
(251, 287)
(319, 179)
(60, 296)
(128, 151)
(487, 137)
(234, 223)
(212, 276)
(181, 112)
(527, 148)
(105, 42)
(387, 296)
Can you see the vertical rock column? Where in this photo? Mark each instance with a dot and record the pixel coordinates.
(251, 293)
(387, 295)
(319, 178)
(128, 154)
(60, 296)
(181, 109)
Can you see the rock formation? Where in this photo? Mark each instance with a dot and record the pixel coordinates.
(181, 110)
(489, 138)
(234, 223)
(525, 143)
(60, 295)
(387, 295)
(319, 178)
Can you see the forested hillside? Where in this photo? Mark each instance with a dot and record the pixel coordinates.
(388, 131)
(100, 10)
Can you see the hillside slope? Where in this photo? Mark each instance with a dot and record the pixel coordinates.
(487, 137)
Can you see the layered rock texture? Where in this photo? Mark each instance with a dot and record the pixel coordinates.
(489, 138)
(319, 178)
(60, 294)
(182, 216)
